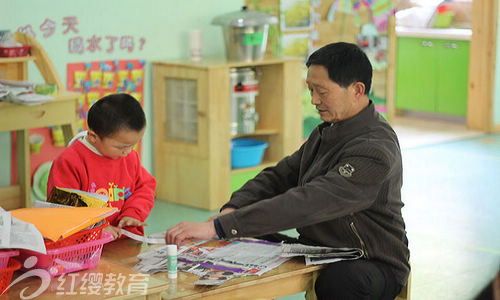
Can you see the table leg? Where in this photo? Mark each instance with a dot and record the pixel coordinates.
(156, 296)
(69, 131)
(310, 293)
(23, 166)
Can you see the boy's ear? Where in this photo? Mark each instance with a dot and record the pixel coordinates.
(92, 136)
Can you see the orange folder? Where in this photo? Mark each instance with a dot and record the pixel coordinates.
(60, 222)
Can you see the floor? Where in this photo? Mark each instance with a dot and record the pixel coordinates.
(452, 211)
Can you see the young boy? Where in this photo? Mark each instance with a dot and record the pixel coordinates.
(103, 161)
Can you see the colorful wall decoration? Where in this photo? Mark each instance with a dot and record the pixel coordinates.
(97, 79)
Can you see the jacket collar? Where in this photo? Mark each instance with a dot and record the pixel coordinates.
(362, 119)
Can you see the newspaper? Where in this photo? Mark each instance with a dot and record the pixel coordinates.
(21, 92)
(217, 261)
(316, 255)
(17, 234)
(5, 224)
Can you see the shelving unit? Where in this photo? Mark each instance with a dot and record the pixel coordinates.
(20, 118)
(193, 168)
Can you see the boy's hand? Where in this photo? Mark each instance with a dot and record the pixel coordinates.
(115, 231)
(130, 221)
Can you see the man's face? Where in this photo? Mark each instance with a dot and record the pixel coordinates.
(333, 102)
(117, 145)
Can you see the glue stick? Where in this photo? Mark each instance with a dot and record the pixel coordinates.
(172, 261)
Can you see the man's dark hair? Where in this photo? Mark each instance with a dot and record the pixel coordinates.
(115, 112)
(346, 63)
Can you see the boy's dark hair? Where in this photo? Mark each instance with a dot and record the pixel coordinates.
(115, 112)
(346, 63)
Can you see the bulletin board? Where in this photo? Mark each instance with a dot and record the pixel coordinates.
(97, 79)
(307, 25)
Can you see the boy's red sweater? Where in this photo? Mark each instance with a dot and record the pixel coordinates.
(128, 185)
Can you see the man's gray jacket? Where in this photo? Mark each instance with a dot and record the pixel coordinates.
(342, 188)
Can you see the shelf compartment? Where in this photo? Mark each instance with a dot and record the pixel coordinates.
(258, 132)
(17, 59)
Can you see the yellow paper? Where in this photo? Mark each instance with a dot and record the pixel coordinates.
(73, 197)
(60, 222)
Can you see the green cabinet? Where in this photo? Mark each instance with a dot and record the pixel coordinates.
(432, 75)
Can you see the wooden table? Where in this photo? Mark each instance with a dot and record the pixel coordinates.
(20, 118)
(289, 278)
(119, 257)
(117, 282)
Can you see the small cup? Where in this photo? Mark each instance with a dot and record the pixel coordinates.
(58, 136)
(36, 142)
(195, 44)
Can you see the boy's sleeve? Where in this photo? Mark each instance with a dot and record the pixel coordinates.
(140, 203)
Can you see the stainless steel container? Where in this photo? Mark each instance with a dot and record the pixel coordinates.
(245, 33)
(244, 88)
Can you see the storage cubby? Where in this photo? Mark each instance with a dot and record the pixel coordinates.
(20, 118)
(192, 125)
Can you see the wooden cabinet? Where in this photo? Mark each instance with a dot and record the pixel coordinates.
(432, 75)
(192, 125)
(20, 118)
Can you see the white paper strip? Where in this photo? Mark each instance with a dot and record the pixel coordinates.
(143, 239)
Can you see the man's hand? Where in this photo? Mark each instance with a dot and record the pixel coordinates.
(115, 231)
(130, 221)
(186, 232)
(223, 212)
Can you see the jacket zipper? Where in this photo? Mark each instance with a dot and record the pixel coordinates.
(363, 246)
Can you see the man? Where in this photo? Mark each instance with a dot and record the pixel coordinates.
(342, 188)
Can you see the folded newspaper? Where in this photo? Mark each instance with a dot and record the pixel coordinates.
(17, 234)
(316, 255)
(21, 92)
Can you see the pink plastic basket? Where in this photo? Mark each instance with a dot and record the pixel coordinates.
(69, 259)
(6, 275)
(5, 255)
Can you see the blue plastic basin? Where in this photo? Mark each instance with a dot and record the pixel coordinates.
(247, 152)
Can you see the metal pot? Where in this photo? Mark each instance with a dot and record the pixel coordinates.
(245, 33)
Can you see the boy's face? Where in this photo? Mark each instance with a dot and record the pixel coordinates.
(117, 145)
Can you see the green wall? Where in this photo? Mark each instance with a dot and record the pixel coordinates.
(164, 24)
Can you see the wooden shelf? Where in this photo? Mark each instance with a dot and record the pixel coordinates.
(199, 174)
(20, 118)
(17, 59)
(263, 165)
(222, 62)
(258, 132)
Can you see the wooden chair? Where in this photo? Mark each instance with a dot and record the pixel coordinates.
(405, 292)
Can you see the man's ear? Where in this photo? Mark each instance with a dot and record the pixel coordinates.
(358, 89)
